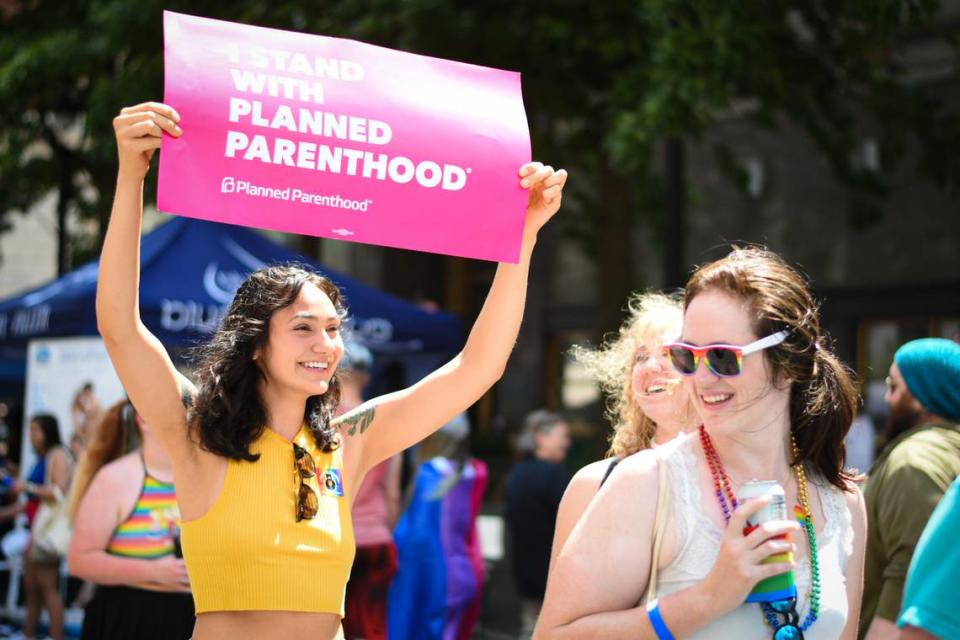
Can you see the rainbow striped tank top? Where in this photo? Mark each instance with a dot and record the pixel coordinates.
(149, 530)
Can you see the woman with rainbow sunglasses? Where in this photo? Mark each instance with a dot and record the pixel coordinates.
(774, 404)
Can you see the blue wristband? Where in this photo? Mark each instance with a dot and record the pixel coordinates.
(659, 626)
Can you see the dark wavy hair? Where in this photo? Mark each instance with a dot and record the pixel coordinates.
(227, 415)
(50, 428)
(823, 395)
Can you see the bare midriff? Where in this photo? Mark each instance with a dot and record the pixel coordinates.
(255, 625)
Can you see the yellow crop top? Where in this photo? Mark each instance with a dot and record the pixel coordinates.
(248, 552)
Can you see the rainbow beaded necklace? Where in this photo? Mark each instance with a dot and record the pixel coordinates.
(723, 489)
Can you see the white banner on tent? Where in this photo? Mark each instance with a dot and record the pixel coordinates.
(70, 378)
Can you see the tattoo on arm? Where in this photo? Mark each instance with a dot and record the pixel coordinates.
(360, 420)
(188, 392)
(186, 397)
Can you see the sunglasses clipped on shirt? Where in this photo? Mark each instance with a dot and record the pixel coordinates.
(306, 468)
(724, 360)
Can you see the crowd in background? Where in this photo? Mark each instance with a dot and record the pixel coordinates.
(419, 571)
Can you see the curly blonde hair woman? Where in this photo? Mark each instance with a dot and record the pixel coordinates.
(644, 399)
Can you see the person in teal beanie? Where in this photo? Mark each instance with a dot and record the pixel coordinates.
(911, 475)
(931, 369)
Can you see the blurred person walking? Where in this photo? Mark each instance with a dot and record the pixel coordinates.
(438, 590)
(645, 401)
(534, 489)
(8, 473)
(930, 598)
(4, 438)
(912, 473)
(667, 529)
(375, 511)
(45, 486)
(126, 536)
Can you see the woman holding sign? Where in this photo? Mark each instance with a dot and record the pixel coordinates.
(775, 405)
(265, 475)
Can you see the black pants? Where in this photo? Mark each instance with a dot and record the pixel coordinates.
(121, 613)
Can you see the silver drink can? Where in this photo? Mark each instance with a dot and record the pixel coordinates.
(776, 510)
(782, 586)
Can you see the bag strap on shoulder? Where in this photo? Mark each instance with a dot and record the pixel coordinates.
(659, 526)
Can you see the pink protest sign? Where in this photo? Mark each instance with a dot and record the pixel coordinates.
(341, 139)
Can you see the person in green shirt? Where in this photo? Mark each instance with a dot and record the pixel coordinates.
(911, 475)
(930, 601)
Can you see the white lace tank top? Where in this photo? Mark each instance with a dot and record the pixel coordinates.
(698, 542)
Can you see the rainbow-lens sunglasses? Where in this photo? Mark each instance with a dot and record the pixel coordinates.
(724, 360)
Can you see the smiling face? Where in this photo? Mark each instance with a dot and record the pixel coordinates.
(745, 402)
(654, 383)
(304, 345)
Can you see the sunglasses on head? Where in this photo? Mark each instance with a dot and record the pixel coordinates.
(724, 360)
(307, 503)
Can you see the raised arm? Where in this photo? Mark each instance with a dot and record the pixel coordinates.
(141, 361)
(391, 423)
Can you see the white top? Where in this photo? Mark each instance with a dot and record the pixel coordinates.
(699, 539)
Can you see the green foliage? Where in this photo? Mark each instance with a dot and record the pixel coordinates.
(604, 83)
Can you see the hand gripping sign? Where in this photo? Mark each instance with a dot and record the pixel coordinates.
(340, 139)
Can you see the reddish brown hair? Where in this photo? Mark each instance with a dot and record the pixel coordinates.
(823, 395)
(110, 441)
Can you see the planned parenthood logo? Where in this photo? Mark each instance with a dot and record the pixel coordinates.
(245, 188)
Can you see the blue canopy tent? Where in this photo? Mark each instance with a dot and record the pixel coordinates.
(189, 272)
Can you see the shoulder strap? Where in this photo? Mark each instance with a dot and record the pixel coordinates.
(613, 463)
(58, 496)
(659, 526)
(146, 471)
